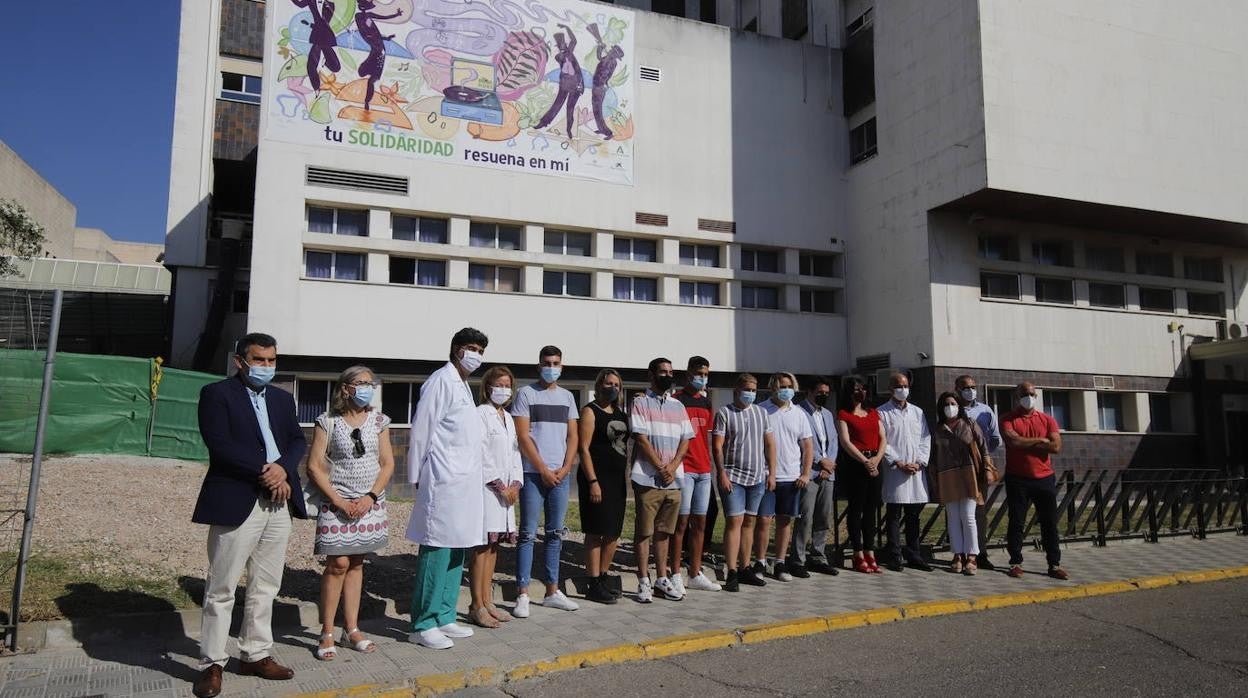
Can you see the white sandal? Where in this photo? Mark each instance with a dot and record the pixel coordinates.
(325, 654)
(366, 645)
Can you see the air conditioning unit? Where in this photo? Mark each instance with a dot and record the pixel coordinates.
(881, 381)
(1103, 382)
(1232, 330)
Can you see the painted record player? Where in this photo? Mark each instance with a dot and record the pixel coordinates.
(471, 95)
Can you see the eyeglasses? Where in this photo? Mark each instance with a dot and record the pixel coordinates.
(361, 384)
(358, 440)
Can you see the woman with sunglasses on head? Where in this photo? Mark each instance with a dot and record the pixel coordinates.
(350, 463)
(503, 475)
(862, 443)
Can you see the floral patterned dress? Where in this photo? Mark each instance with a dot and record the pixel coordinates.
(352, 477)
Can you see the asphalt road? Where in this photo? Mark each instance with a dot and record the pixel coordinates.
(1189, 640)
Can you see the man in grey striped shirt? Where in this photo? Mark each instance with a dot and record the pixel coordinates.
(745, 459)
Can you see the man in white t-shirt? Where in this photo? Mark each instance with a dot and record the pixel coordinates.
(794, 456)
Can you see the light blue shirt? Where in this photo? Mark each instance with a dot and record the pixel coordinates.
(271, 453)
(987, 421)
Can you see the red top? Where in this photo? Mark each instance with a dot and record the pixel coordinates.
(864, 432)
(698, 406)
(1027, 462)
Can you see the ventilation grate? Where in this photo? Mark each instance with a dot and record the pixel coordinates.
(360, 181)
(651, 74)
(874, 362)
(658, 219)
(714, 226)
(1103, 382)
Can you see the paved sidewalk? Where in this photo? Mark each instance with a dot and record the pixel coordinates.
(125, 666)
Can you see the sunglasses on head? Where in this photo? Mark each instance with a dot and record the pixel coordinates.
(358, 440)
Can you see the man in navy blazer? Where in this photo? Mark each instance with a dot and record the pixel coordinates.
(249, 495)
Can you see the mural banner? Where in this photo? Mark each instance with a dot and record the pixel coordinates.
(532, 86)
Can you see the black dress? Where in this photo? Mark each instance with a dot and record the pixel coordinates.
(607, 449)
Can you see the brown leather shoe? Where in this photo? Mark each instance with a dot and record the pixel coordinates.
(1057, 572)
(209, 682)
(266, 669)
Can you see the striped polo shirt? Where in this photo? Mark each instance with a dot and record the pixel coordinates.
(745, 461)
(662, 420)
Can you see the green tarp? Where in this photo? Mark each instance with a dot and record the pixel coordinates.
(100, 404)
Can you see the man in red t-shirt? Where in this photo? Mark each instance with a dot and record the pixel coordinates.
(1031, 438)
(697, 485)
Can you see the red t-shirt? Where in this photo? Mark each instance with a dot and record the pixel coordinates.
(1026, 462)
(698, 458)
(864, 432)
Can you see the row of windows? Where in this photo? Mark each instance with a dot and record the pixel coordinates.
(502, 236)
(1061, 253)
(1110, 410)
(1100, 295)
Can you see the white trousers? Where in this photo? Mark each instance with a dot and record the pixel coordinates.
(257, 546)
(960, 519)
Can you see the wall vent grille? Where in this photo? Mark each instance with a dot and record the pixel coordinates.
(658, 219)
(874, 362)
(1103, 382)
(651, 74)
(360, 181)
(714, 226)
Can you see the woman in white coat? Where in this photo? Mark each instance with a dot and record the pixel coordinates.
(444, 462)
(504, 475)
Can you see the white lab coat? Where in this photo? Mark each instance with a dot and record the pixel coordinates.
(910, 441)
(444, 461)
(502, 462)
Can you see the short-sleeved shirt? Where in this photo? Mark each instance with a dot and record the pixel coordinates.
(791, 424)
(1026, 462)
(745, 460)
(548, 412)
(698, 407)
(864, 432)
(662, 420)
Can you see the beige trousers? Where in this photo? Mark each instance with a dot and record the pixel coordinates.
(257, 546)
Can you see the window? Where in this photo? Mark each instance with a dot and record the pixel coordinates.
(565, 283)
(1157, 299)
(1202, 269)
(817, 265)
(675, 8)
(858, 65)
(708, 13)
(240, 300)
(1205, 304)
(1159, 412)
(636, 249)
(699, 293)
(761, 297)
(1109, 411)
(1107, 295)
(1001, 400)
(497, 235)
(760, 260)
(699, 255)
(1057, 404)
(751, 26)
(794, 18)
(419, 229)
(1104, 259)
(993, 285)
(422, 272)
(569, 243)
(311, 399)
(240, 88)
(862, 142)
(636, 288)
(344, 266)
(398, 401)
(485, 277)
(1001, 248)
(337, 221)
(818, 301)
(1154, 263)
(1055, 290)
(1053, 253)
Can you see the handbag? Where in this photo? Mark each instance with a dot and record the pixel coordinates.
(313, 497)
(991, 474)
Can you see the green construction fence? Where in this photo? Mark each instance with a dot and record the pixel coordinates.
(101, 404)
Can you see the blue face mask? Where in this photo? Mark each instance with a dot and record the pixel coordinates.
(698, 382)
(550, 374)
(363, 395)
(747, 397)
(785, 394)
(260, 376)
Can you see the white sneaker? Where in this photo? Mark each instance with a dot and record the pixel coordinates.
(432, 638)
(701, 582)
(663, 586)
(645, 593)
(559, 601)
(678, 584)
(522, 606)
(456, 630)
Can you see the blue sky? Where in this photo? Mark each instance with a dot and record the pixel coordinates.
(88, 102)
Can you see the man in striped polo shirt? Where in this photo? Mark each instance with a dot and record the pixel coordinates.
(745, 459)
(661, 432)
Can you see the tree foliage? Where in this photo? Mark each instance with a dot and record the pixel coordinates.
(20, 235)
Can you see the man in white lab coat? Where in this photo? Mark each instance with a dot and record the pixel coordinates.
(444, 462)
(904, 473)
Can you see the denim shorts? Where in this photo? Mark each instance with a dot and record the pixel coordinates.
(788, 500)
(695, 494)
(743, 499)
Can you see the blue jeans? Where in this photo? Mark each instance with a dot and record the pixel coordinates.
(695, 494)
(536, 497)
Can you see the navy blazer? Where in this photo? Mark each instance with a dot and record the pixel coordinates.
(236, 453)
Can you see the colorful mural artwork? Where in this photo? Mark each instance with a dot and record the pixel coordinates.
(485, 83)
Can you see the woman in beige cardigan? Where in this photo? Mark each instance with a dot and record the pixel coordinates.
(960, 472)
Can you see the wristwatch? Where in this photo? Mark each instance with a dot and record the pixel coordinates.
(376, 499)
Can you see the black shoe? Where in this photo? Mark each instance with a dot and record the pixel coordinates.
(598, 592)
(894, 566)
(919, 565)
(798, 570)
(611, 585)
(823, 568)
(982, 561)
(747, 575)
(731, 583)
(759, 568)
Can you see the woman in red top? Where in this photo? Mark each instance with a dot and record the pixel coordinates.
(858, 468)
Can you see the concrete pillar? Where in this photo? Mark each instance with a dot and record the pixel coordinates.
(457, 273)
(790, 261)
(1138, 415)
(602, 286)
(379, 225)
(534, 241)
(1083, 410)
(457, 231)
(791, 294)
(532, 276)
(377, 269)
(669, 289)
(1182, 416)
(669, 251)
(604, 245)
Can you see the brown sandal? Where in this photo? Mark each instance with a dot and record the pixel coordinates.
(483, 618)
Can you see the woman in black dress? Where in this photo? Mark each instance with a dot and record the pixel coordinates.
(602, 481)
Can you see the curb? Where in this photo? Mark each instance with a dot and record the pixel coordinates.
(433, 684)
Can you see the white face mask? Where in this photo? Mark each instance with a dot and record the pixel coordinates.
(470, 361)
(901, 394)
(1027, 402)
(951, 411)
(968, 394)
(499, 396)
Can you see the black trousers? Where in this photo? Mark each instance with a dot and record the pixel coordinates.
(1020, 494)
(862, 499)
(894, 516)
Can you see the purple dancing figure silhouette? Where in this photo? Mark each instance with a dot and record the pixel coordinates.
(608, 59)
(375, 64)
(571, 84)
(322, 40)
